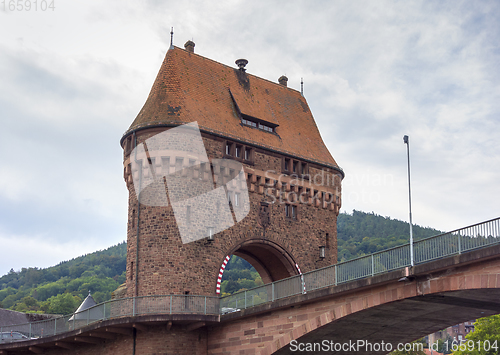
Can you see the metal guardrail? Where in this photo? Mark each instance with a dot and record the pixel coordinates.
(135, 306)
(452, 243)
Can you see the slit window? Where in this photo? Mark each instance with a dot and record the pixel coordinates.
(290, 211)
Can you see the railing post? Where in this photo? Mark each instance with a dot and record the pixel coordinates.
(171, 300)
(133, 308)
(30, 330)
(55, 326)
(373, 266)
(88, 316)
(205, 304)
(459, 243)
(335, 274)
(272, 291)
(245, 299)
(104, 311)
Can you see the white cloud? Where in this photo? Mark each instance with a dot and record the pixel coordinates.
(74, 79)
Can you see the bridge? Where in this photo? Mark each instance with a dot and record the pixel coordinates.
(378, 297)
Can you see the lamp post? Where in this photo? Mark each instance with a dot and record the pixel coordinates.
(406, 141)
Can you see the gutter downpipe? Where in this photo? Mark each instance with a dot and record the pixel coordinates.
(136, 291)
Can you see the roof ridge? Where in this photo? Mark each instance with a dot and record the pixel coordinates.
(228, 66)
(190, 87)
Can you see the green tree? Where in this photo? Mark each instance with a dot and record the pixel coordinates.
(486, 334)
(27, 305)
(64, 304)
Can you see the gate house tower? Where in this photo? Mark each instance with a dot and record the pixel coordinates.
(294, 184)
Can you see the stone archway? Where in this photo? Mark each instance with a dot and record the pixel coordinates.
(271, 261)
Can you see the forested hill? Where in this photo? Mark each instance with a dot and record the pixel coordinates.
(365, 233)
(60, 289)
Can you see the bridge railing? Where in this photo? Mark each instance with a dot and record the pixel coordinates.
(451, 243)
(135, 306)
(455, 242)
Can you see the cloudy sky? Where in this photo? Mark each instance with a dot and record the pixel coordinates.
(73, 78)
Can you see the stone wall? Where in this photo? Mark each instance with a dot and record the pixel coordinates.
(167, 266)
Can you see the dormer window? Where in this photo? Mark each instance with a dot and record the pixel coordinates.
(249, 123)
(258, 124)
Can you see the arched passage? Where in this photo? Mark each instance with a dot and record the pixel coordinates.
(270, 260)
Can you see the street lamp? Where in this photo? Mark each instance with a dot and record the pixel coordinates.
(406, 141)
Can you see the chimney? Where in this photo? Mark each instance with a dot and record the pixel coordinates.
(241, 64)
(189, 45)
(283, 80)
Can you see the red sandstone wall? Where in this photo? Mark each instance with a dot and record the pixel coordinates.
(166, 266)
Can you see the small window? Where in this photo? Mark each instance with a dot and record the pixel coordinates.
(229, 196)
(188, 214)
(287, 164)
(201, 171)
(178, 163)
(210, 233)
(165, 163)
(238, 151)
(228, 148)
(290, 211)
(247, 154)
(236, 199)
(295, 166)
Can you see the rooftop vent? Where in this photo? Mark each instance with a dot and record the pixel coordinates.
(189, 45)
(283, 80)
(241, 64)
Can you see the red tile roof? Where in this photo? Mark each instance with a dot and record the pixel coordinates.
(190, 88)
